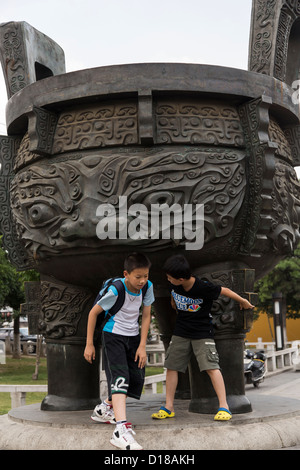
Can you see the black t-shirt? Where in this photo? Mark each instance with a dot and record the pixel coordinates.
(194, 306)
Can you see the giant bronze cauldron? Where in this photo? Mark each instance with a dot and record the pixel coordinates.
(155, 133)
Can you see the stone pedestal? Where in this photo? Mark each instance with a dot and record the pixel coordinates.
(204, 399)
(73, 384)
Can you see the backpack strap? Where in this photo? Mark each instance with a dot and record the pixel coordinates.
(144, 289)
(121, 295)
(118, 284)
(120, 299)
(105, 286)
(103, 318)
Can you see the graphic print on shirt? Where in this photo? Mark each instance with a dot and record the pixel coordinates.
(186, 303)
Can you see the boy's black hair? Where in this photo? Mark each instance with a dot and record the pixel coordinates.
(136, 261)
(178, 267)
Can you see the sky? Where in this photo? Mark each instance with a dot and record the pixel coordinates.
(94, 33)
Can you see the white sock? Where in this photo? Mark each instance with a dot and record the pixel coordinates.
(119, 423)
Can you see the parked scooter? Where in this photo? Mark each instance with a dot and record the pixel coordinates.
(254, 367)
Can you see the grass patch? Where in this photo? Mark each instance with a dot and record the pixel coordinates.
(154, 371)
(31, 397)
(19, 371)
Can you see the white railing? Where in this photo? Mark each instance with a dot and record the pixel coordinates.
(18, 392)
(155, 354)
(279, 361)
(150, 384)
(156, 358)
(2, 352)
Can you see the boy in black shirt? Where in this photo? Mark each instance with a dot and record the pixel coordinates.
(193, 298)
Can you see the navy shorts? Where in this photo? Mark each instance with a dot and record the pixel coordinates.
(122, 372)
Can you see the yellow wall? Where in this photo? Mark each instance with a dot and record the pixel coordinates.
(261, 329)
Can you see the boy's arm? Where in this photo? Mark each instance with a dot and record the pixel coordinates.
(244, 303)
(89, 352)
(141, 350)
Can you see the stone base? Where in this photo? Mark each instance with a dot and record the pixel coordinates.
(56, 403)
(274, 423)
(237, 404)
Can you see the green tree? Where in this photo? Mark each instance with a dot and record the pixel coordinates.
(12, 282)
(12, 292)
(11, 288)
(285, 278)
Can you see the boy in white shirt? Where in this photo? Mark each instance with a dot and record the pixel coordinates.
(124, 348)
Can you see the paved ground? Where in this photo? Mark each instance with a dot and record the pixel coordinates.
(273, 424)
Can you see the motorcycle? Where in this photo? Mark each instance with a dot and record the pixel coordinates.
(254, 367)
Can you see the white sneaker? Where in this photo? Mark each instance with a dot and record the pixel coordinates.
(104, 414)
(122, 438)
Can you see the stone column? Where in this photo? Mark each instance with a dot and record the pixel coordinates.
(73, 383)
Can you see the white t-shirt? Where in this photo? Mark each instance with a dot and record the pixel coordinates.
(125, 321)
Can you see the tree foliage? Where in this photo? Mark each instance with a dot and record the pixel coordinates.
(12, 282)
(284, 278)
(11, 292)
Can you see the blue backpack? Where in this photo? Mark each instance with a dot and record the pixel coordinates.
(103, 317)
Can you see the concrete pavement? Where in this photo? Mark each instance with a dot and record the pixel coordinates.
(274, 423)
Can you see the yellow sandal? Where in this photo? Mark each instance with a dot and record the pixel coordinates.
(223, 415)
(163, 413)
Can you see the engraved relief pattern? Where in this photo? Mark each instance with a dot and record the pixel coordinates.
(273, 201)
(62, 307)
(55, 205)
(41, 130)
(292, 135)
(285, 211)
(282, 39)
(97, 126)
(272, 21)
(24, 155)
(278, 136)
(13, 58)
(261, 50)
(11, 243)
(197, 123)
(255, 118)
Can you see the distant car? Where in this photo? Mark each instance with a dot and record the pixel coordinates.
(4, 332)
(25, 337)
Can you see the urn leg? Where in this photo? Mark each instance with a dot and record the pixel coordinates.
(204, 398)
(73, 383)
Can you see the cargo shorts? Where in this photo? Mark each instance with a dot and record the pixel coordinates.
(180, 350)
